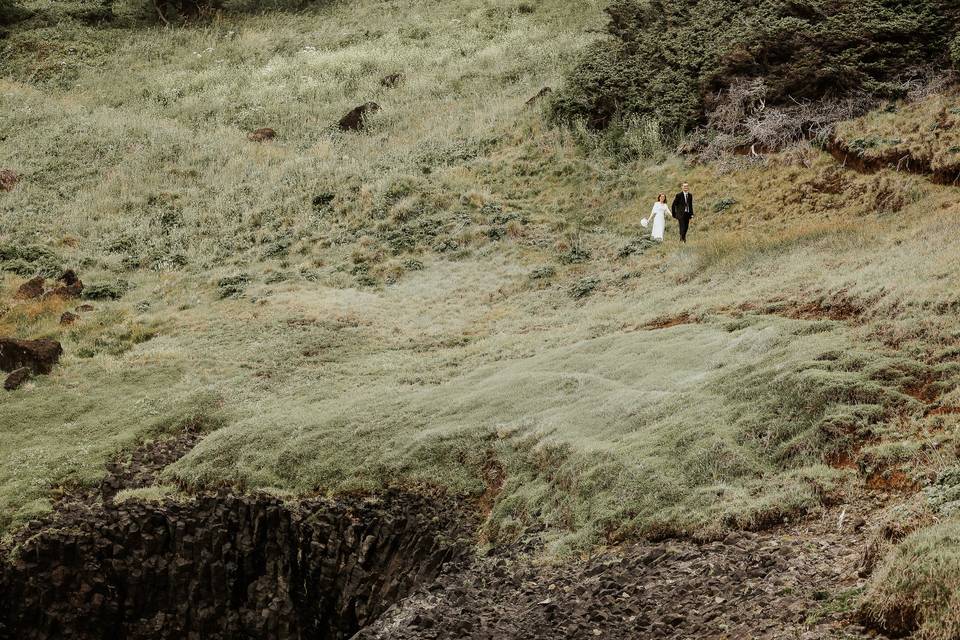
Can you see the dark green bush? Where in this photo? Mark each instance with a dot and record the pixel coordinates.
(233, 286)
(11, 12)
(671, 59)
(955, 52)
(29, 260)
(106, 291)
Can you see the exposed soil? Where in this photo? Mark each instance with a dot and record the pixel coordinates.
(798, 582)
(892, 159)
(837, 308)
(666, 322)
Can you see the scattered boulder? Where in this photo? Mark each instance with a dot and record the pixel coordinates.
(8, 179)
(70, 285)
(68, 318)
(16, 379)
(32, 288)
(355, 120)
(38, 355)
(543, 93)
(392, 80)
(262, 134)
(84, 308)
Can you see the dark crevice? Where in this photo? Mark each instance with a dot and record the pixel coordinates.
(225, 566)
(219, 565)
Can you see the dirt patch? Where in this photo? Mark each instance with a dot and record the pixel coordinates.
(892, 159)
(943, 411)
(924, 391)
(891, 480)
(8, 179)
(836, 307)
(665, 322)
(494, 475)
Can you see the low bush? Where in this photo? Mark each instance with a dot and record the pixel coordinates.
(10, 12)
(674, 61)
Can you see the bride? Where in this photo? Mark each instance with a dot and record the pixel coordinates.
(658, 216)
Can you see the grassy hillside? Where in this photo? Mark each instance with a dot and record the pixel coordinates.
(459, 297)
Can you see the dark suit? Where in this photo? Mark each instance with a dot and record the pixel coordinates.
(682, 210)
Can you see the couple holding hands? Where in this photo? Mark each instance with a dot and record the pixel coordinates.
(682, 210)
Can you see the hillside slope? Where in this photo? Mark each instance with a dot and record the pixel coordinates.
(459, 299)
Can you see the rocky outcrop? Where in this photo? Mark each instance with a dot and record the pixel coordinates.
(37, 355)
(223, 566)
(69, 286)
(355, 119)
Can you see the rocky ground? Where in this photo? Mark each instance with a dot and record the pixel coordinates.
(798, 582)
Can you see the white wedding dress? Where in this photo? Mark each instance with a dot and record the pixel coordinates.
(659, 220)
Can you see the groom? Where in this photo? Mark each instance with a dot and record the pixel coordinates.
(682, 210)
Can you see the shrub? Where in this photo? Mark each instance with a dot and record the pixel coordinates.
(10, 12)
(29, 260)
(672, 60)
(955, 52)
(106, 291)
(233, 286)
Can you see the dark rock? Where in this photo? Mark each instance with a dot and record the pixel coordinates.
(355, 120)
(392, 80)
(69, 278)
(70, 286)
(32, 288)
(253, 567)
(84, 308)
(543, 93)
(8, 179)
(68, 318)
(17, 378)
(38, 355)
(263, 134)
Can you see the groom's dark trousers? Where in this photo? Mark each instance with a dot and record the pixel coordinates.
(682, 210)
